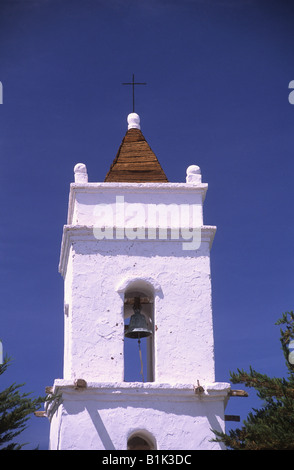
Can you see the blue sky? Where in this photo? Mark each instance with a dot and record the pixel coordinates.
(217, 74)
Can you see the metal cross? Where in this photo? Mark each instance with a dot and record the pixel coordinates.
(133, 83)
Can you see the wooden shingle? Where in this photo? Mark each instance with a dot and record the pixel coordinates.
(135, 162)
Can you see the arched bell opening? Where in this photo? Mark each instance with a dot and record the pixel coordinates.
(138, 335)
(141, 441)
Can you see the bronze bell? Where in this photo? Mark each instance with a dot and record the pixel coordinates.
(137, 327)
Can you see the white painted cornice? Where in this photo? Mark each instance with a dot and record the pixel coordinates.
(73, 233)
(118, 391)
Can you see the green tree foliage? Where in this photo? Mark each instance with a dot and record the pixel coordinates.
(15, 411)
(270, 427)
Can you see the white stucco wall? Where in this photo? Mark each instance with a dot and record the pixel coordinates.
(95, 269)
(84, 197)
(103, 416)
(104, 257)
(183, 336)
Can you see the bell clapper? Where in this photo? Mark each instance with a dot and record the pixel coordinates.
(141, 360)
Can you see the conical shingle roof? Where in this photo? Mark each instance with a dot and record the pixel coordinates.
(135, 162)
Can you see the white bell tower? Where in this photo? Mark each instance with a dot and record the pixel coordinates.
(137, 241)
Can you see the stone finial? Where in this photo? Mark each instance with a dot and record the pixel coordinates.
(80, 171)
(193, 174)
(133, 121)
